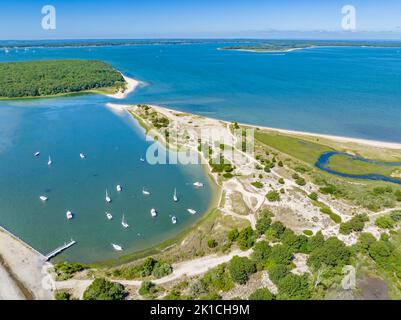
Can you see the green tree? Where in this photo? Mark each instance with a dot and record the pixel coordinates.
(332, 253)
(293, 287)
(246, 238)
(262, 294)
(240, 269)
(101, 289)
(264, 222)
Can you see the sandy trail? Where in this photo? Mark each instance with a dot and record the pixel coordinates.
(189, 268)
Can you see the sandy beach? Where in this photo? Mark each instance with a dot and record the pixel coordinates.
(132, 84)
(22, 270)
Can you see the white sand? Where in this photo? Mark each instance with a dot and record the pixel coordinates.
(132, 84)
(28, 266)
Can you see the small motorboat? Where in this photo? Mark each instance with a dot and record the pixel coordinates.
(108, 199)
(124, 223)
(191, 211)
(119, 188)
(43, 198)
(198, 184)
(69, 215)
(117, 247)
(49, 162)
(142, 159)
(145, 192)
(153, 213)
(174, 220)
(109, 216)
(82, 156)
(37, 154)
(175, 198)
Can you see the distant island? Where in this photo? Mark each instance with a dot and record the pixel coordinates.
(58, 77)
(292, 45)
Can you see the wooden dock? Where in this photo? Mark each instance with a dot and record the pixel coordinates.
(60, 249)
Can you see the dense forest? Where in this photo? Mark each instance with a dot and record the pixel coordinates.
(52, 77)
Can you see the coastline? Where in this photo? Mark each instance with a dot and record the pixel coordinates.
(24, 268)
(132, 84)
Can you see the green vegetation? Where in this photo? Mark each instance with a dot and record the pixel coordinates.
(240, 269)
(257, 184)
(262, 294)
(350, 165)
(332, 252)
(211, 243)
(385, 222)
(246, 238)
(101, 289)
(62, 295)
(356, 224)
(66, 270)
(55, 77)
(150, 267)
(273, 196)
(147, 289)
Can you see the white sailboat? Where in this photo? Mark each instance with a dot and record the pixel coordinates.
(108, 199)
(153, 213)
(82, 156)
(145, 192)
(49, 162)
(43, 198)
(69, 215)
(124, 223)
(117, 247)
(175, 198)
(119, 188)
(36, 154)
(109, 216)
(191, 211)
(174, 220)
(198, 184)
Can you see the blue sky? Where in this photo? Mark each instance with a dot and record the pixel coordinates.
(198, 18)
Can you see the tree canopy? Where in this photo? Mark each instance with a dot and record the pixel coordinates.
(52, 77)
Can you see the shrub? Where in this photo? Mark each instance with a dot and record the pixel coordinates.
(280, 164)
(146, 288)
(262, 294)
(161, 269)
(218, 279)
(233, 235)
(264, 222)
(278, 272)
(356, 224)
(257, 184)
(332, 253)
(385, 222)
(261, 253)
(211, 243)
(246, 238)
(275, 232)
(313, 196)
(62, 295)
(333, 216)
(273, 196)
(293, 287)
(300, 181)
(101, 289)
(66, 270)
(396, 215)
(365, 240)
(308, 233)
(240, 269)
(280, 254)
(281, 181)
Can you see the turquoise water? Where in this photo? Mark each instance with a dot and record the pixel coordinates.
(343, 91)
(323, 163)
(113, 146)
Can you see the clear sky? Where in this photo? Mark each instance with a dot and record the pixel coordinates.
(198, 18)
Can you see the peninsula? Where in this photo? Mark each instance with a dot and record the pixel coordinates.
(47, 78)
